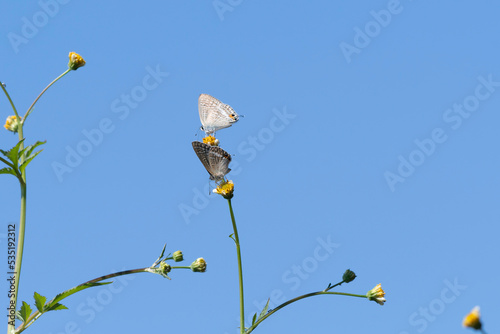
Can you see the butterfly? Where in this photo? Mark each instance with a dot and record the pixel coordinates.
(215, 115)
(214, 158)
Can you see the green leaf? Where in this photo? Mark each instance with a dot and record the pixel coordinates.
(8, 170)
(13, 153)
(254, 318)
(30, 148)
(162, 251)
(39, 301)
(57, 307)
(24, 312)
(27, 161)
(264, 311)
(52, 305)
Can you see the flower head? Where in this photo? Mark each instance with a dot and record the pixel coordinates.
(199, 266)
(211, 140)
(376, 294)
(178, 256)
(75, 61)
(473, 319)
(12, 123)
(226, 189)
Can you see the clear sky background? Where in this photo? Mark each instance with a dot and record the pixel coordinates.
(369, 141)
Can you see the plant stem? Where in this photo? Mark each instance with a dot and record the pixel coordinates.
(30, 109)
(19, 253)
(10, 100)
(240, 269)
(35, 315)
(22, 218)
(297, 299)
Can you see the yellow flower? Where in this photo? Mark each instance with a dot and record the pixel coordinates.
(12, 123)
(199, 265)
(225, 189)
(473, 319)
(75, 61)
(376, 294)
(210, 140)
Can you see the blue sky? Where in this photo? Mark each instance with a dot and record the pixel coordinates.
(369, 141)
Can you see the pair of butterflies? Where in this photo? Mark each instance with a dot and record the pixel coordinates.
(214, 116)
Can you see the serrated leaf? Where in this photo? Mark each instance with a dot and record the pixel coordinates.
(57, 307)
(49, 306)
(264, 311)
(254, 318)
(13, 153)
(30, 148)
(24, 311)
(8, 170)
(39, 301)
(27, 161)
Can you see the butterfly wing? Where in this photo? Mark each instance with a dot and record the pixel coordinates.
(215, 115)
(202, 150)
(219, 163)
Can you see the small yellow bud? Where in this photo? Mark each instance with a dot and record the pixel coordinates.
(376, 294)
(226, 189)
(178, 256)
(75, 61)
(473, 319)
(165, 268)
(12, 123)
(199, 265)
(211, 140)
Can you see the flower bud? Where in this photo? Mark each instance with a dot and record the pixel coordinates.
(12, 123)
(178, 256)
(199, 265)
(75, 61)
(348, 276)
(164, 268)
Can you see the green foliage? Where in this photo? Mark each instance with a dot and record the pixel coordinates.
(15, 155)
(39, 301)
(262, 313)
(24, 312)
(54, 305)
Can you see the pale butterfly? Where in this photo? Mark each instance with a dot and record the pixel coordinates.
(215, 115)
(214, 158)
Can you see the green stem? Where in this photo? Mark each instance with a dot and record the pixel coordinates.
(22, 219)
(297, 299)
(30, 109)
(240, 269)
(19, 252)
(10, 100)
(35, 315)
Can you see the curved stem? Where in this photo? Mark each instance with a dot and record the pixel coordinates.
(30, 109)
(277, 308)
(10, 100)
(240, 269)
(35, 315)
